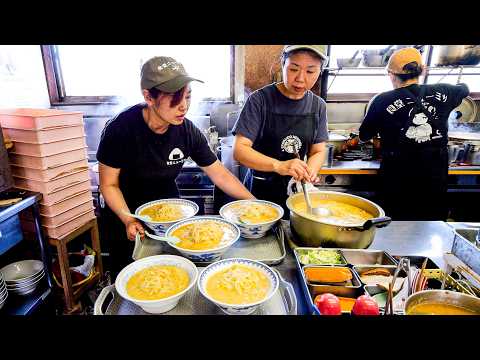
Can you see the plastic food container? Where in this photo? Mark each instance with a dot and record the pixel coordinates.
(66, 215)
(65, 193)
(45, 162)
(53, 185)
(52, 148)
(37, 119)
(46, 135)
(48, 174)
(339, 290)
(66, 204)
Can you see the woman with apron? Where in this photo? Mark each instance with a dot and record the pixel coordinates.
(412, 121)
(281, 122)
(142, 151)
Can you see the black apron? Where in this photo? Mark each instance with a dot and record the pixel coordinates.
(140, 183)
(414, 177)
(280, 136)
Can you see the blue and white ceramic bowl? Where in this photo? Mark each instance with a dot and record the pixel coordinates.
(165, 304)
(208, 255)
(160, 227)
(241, 309)
(250, 231)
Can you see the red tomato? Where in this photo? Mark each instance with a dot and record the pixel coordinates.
(365, 305)
(328, 304)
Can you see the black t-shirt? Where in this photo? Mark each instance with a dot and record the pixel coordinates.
(150, 162)
(395, 117)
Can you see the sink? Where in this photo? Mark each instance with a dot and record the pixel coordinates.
(469, 234)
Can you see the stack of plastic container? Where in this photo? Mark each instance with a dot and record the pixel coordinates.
(49, 156)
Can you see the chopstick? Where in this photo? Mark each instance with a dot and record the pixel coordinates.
(418, 286)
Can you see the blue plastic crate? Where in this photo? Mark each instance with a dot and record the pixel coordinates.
(10, 233)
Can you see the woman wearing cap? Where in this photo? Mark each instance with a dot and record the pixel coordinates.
(412, 121)
(280, 120)
(143, 148)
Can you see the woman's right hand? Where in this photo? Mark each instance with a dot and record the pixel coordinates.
(132, 228)
(296, 168)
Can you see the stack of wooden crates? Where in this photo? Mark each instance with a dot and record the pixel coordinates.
(49, 156)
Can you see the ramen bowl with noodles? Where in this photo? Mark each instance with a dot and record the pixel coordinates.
(238, 286)
(253, 217)
(204, 238)
(166, 212)
(156, 283)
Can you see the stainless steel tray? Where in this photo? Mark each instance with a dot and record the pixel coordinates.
(283, 302)
(269, 249)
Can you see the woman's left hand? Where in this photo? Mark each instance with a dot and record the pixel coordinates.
(312, 176)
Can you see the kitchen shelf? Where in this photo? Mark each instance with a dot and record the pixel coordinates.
(384, 68)
(25, 305)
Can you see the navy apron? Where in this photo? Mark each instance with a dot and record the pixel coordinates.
(280, 136)
(414, 177)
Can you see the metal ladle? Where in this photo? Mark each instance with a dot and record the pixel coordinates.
(316, 211)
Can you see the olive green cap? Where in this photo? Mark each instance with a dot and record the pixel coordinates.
(320, 50)
(165, 74)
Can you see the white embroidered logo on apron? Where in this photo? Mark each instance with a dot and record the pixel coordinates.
(176, 156)
(291, 144)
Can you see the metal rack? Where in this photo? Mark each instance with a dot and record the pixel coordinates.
(26, 305)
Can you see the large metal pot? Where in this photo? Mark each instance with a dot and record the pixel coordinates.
(316, 233)
(458, 55)
(468, 302)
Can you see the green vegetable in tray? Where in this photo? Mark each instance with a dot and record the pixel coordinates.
(319, 257)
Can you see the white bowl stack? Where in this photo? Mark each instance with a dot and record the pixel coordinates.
(23, 277)
(49, 156)
(3, 291)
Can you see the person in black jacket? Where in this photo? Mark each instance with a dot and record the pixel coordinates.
(412, 121)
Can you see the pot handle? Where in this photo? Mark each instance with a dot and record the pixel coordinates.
(377, 222)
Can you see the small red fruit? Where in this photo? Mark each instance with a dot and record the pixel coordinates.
(365, 305)
(328, 304)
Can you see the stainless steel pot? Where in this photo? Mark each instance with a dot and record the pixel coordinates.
(316, 233)
(458, 55)
(468, 302)
(375, 57)
(337, 141)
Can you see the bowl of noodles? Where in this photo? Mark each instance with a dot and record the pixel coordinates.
(166, 212)
(238, 286)
(156, 283)
(253, 217)
(203, 238)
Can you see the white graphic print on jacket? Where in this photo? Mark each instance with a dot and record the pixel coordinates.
(421, 131)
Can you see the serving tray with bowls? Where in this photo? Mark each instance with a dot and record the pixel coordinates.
(269, 249)
(282, 302)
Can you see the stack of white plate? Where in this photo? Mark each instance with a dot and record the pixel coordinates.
(23, 277)
(3, 291)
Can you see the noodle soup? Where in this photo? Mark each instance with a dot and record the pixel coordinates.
(165, 212)
(341, 214)
(251, 213)
(203, 235)
(157, 282)
(238, 284)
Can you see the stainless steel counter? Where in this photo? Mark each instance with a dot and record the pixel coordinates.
(421, 238)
